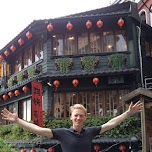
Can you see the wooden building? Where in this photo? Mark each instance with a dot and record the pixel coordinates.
(93, 58)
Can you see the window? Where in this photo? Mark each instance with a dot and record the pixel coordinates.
(58, 45)
(97, 103)
(70, 44)
(83, 43)
(89, 43)
(38, 50)
(108, 41)
(25, 109)
(121, 41)
(95, 43)
(27, 57)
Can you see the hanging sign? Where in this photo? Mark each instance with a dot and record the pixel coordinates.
(37, 116)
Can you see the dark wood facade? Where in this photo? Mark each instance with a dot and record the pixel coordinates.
(60, 54)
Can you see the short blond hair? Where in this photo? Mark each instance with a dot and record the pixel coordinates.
(78, 106)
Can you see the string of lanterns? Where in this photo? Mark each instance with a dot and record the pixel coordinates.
(13, 47)
(50, 149)
(75, 82)
(88, 24)
(15, 93)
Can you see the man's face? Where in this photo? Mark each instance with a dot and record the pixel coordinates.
(78, 117)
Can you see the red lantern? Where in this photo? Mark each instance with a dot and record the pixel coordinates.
(21, 41)
(75, 82)
(56, 83)
(1, 58)
(25, 89)
(23, 150)
(69, 26)
(5, 96)
(95, 80)
(13, 48)
(32, 150)
(50, 27)
(11, 94)
(7, 53)
(120, 22)
(122, 148)
(99, 24)
(88, 24)
(28, 34)
(96, 148)
(17, 92)
(51, 149)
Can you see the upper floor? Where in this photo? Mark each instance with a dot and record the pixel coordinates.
(100, 41)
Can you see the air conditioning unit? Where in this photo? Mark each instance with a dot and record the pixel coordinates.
(115, 79)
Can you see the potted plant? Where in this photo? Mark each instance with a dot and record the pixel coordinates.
(116, 61)
(19, 77)
(64, 64)
(89, 63)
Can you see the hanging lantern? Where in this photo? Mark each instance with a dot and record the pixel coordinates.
(96, 148)
(69, 26)
(1, 58)
(88, 24)
(5, 96)
(56, 83)
(120, 22)
(17, 92)
(50, 27)
(51, 149)
(13, 48)
(25, 89)
(95, 80)
(75, 82)
(7, 53)
(32, 150)
(11, 94)
(21, 41)
(28, 34)
(23, 150)
(99, 23)
(122, 148)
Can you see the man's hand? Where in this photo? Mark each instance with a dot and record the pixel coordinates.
(135, 108)
(6, 115)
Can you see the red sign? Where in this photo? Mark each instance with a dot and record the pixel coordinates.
(37, 116)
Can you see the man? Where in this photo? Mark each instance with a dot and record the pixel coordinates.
(76, 138)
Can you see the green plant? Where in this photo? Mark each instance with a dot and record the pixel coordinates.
(116, 61)
(64, 64)
(89, 63)
(19, 77)
(10, 82)
(31, 71)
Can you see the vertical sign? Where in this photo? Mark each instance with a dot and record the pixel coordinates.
(37, 116)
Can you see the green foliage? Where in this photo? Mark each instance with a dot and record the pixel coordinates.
(19, 77)
(10, 82)
(116, 61)
(64, 64)
(89, 63)
(4, 147)
(31, 71)
(130, 127)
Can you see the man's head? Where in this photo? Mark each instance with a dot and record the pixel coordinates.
(78, 106)
(78, 115)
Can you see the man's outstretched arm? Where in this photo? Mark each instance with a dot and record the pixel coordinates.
(13, 117)
(137, 107)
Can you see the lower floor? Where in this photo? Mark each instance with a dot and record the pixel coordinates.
(97, 102)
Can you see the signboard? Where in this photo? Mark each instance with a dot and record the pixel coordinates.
(37, 116)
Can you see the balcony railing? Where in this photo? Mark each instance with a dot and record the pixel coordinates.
(23, 75)
(148, 83)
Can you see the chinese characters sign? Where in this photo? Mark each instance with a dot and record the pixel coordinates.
(37, 116)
